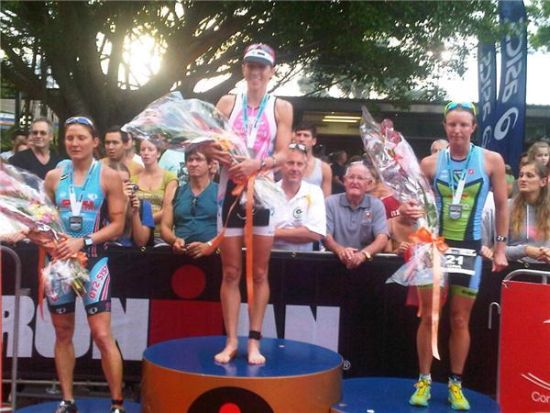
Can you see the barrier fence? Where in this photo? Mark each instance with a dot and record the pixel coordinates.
(158, 296)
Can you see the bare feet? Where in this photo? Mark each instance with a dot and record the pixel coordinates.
(228, 353)
(254, 355)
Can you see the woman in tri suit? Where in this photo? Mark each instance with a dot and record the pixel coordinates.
(81, 188)
(264, 123)
(461, 175)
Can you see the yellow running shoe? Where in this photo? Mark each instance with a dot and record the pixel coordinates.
(422, 394)
(456, 397)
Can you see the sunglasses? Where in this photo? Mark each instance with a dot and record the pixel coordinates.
(80, 120)
(194, 206)
(299, 146)
(469, 106)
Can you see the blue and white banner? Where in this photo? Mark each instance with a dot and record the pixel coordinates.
(509, 117)
(487, 90)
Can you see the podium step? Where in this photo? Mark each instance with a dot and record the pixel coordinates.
(84, 406)
(181, 375)
(391, 395)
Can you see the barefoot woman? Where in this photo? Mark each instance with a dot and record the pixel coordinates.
(264, 123)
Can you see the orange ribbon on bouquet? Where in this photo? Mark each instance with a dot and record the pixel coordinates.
(248, 240)
(424, 236)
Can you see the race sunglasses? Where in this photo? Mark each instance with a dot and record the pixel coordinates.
(299, 146)
(469, 106)
(80, 120)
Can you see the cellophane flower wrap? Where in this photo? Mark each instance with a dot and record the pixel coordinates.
(399, 169)
(24, 206)
(181, 124)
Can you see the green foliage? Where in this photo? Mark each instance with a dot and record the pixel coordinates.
(539, 10)
(71, 54)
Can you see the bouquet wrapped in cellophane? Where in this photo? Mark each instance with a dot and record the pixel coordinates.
(398, 167)
(25, 208)
(181, 124)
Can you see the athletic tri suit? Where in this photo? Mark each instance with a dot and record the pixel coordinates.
(460, 219)
(259, 138)
(98, 292)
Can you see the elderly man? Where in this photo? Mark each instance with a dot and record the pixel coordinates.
(39, 159)
(301, 221)
(357, 228)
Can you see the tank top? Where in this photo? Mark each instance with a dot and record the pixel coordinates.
(267, 126)
(316, 176)
(468, 226)
(90, 193)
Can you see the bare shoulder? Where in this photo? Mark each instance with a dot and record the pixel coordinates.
(493, 161)
(110, 179)
(282, 105)
(225, 104)
(428, 165)
(52, 178)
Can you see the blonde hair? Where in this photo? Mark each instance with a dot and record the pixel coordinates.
(541, 205)
(534, 149)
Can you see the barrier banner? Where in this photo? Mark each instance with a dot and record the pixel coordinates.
(509, 118)
(487, 90)
(524, 362)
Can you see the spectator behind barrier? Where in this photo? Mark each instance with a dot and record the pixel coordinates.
(18, 143)
(529, 238)
(317, 172)
(39, 159)
(356, 222)
(379, 190)
(153, 182)
(117, 144)
(438, 145)
(301, 221)
(339, 159)
(139, 223)
(540, 152)
(189, 216)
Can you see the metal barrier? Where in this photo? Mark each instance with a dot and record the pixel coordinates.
(15, 341)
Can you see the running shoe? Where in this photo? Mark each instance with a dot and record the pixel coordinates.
(422, 394)
(456, 397)
(67, 406)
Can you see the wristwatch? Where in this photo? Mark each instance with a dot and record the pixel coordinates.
(367, 255)
(501, 238)
(88, 241)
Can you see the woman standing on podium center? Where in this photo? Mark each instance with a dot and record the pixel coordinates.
(264, 123)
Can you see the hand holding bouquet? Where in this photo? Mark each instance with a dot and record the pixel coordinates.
(26, 207)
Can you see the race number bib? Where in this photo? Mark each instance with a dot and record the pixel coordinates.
(460, 260)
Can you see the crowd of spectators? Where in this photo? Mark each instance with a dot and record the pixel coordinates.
(171, 198)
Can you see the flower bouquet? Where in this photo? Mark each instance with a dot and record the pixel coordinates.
(26, 207)
(398, 167)
(182, 124)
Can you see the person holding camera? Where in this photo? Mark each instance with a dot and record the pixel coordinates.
(139, 223)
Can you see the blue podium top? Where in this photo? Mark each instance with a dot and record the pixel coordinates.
(195, 355)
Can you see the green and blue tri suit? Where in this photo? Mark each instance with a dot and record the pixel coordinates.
(460, 222)
(98, 290)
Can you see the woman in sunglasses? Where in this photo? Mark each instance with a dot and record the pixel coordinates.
(81, 188)
(264, 124)
(461, 175)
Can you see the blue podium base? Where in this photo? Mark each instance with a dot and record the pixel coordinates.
(391, 395)
(84, 406)
(182, 376)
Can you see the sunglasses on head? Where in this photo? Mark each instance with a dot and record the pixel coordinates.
(80, 120)
(299, 146)
(469, 106)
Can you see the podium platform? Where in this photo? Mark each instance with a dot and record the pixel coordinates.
(391, 395)
(84, 406)
(181, 375)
